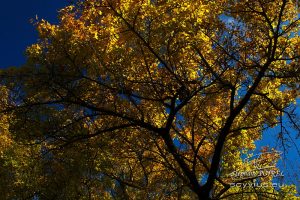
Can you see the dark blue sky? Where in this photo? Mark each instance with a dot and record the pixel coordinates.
(16, 32)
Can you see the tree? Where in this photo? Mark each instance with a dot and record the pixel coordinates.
(157, 99)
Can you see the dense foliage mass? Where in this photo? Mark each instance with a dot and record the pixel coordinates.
(150, 99)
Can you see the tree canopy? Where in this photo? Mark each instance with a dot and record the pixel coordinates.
(151, 99)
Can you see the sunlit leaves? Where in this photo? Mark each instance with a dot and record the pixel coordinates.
(136, 98)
